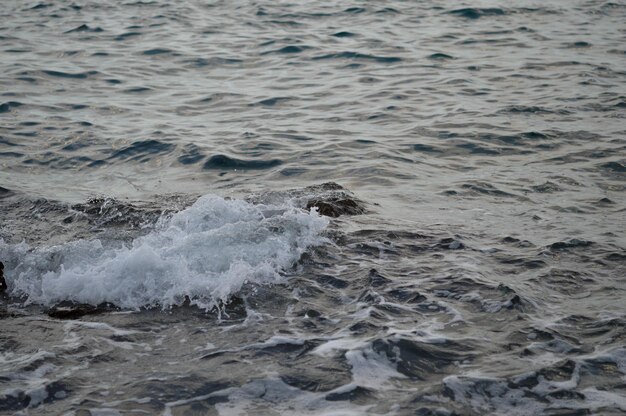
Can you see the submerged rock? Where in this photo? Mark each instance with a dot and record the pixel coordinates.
(72, 310)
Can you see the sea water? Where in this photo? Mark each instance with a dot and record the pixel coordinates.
(313, 208)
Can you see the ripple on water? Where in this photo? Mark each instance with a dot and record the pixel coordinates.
(191, 154)
(142, 150)
(9, 105)
(224, 162)
(70, 75)
(85, 28)
(484, 274)
(350, 55)
(477, 13)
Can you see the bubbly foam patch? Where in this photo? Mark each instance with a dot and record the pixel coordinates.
(207, 252)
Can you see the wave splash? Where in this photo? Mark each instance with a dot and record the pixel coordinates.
(206, 252)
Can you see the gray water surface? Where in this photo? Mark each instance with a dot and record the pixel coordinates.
(485, 140)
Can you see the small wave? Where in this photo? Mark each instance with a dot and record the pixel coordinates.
(571, 244)
(157, 51)
(477, 13)
(270, 102)
(54, 161)
(534, 109)
(6, 107)
(40, 6)
(484, 188)
(344, 34)
(577, 45)
(206, 252)
(4, 192)
(614, 167)
(191, 154)
(78, 75)
(227, 163)
(127, 35)
(440, 57)
(359, 56)
(136, 90)
(85, 28)
(141, 149)
(213, 62)
(291, 49)
(355, 10)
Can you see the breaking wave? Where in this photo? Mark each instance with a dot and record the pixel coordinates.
(206, 252)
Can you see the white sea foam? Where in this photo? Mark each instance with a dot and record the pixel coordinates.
(371, 369)
(207, 252)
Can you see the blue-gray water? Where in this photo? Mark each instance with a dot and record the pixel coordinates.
(484, 140)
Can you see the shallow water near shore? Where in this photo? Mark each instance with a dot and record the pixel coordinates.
(380, 208)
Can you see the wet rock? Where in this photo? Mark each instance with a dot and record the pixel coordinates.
(108, 212)
(3, 283)
(332, 200)
(336, 206)
(72, 310)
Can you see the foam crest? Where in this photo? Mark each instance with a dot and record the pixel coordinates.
(207, 252)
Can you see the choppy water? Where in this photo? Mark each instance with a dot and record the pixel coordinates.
(163, 156)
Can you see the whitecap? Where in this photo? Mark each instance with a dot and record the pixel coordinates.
(207, 252)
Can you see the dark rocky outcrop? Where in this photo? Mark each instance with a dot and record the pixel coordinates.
(335, 207)
(332, 200)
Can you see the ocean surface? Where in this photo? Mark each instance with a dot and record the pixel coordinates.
(313, 208)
